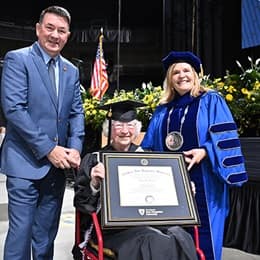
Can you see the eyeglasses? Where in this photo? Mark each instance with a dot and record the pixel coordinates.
(122, 125)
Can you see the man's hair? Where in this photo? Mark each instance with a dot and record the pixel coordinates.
(60, 11)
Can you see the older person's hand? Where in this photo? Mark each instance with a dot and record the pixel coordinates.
(194, 156)
(97, 174)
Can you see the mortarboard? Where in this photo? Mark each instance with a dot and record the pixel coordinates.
(123, 111)
(182, 56)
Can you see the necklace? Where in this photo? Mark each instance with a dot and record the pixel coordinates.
(174, 139)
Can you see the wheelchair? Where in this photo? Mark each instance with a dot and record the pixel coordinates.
(98, 252)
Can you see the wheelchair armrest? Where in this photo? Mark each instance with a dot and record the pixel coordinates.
(99, 236)
(197, 243)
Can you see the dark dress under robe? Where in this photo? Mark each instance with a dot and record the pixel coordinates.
(135, 243)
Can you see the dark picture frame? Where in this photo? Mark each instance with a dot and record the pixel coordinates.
(146, 188)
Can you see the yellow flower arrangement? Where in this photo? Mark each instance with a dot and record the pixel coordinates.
(147, 94)
(242, 93)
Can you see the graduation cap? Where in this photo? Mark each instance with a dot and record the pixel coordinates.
(182, 56)
(123, 111)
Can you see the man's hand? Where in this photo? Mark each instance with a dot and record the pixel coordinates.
(59, 157)
(64, 158)
(74, 157)
(194, 156)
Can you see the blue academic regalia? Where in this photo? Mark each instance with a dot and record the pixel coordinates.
(208, 123)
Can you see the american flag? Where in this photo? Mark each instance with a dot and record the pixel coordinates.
(99, 79)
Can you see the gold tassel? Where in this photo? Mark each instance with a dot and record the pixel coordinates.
(106, 251)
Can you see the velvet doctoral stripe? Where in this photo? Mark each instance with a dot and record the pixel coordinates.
(229, 143)
(223, 127)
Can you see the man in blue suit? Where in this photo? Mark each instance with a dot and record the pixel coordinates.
(45, 130)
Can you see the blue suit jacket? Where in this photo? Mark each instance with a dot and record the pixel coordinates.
(36, 119)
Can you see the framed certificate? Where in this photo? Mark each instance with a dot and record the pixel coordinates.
(143, 188)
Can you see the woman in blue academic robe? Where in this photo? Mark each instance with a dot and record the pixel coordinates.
(197, 121)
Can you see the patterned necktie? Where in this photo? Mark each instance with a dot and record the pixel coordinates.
(51, 70)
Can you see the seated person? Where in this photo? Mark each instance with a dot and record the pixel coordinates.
(135, 243)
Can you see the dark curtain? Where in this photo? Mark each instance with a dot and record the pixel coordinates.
(197, 26)
(209, 28)
(210, 36)
(243, 223)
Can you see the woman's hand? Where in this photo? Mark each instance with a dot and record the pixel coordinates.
(97, 174)
(194, 156)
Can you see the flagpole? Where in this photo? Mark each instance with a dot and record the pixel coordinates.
(100, 60)
(118, 44)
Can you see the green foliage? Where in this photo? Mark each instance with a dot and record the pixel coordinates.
(93, 115)
(242, 93)
(147, 94)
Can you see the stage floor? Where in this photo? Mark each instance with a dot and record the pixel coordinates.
(66, 234)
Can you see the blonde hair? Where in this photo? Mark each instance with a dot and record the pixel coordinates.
(169, 91)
